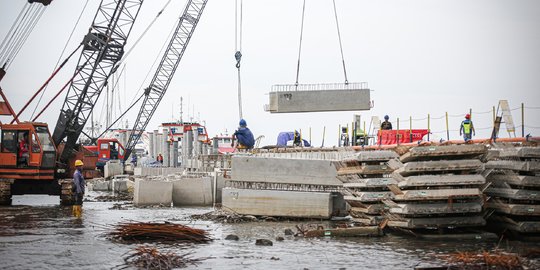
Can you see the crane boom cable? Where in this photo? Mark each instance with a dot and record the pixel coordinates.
(300, 45)
(13, 39)
(238, 53)
(30, 28)
(11, 29)
(340, 44)
(122, 115)
(62, 53)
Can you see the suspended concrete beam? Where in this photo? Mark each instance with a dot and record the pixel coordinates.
(319, 98)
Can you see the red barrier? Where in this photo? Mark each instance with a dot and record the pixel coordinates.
(386, 137)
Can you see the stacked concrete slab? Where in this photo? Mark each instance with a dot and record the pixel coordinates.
(514, 174)
(438, 189)
(286, 187)
(365, 182)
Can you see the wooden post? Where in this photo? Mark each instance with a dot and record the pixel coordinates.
(410, 128)
(447, 131)
(493, 116)
(339, 136)
(397, 133)
(428, 129)
(309, 135)
(522, 120)
(323, 133)
(365, 134)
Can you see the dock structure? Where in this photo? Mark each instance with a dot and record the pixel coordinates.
(514, 174)
(365, 179)
(438, 189)
(292, 98)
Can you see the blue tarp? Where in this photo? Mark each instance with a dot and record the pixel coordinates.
(284, 137)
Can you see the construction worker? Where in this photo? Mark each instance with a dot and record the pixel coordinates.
(386, 125)
(297, 139)
(467, 128)
(159, 158)
(23, 150)
(244, 136)
(78, 189)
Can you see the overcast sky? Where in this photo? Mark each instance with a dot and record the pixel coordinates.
(418, 57)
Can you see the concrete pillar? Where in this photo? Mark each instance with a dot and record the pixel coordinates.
(155, 143)
(175, 154)
(189, 144)
(215, 146)
(166, 150)
(151, 144)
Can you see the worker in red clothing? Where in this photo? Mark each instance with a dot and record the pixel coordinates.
(160, 158)
(23, 150)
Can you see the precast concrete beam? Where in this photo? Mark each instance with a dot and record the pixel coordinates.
(373, 156)
(516, 194)
(370, 183)
(441, 180)
(437, 208)
(438, 222)
(449, 151)
(286, 171)
(514, 209)
(437, 194)
(278, 203)
(524, 166)
(415, 167)
(512, 179)
(369, 196)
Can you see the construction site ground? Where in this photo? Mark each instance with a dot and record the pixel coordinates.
(37, 233)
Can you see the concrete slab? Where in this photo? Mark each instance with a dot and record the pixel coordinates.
(438, 222)
(437, 208)
(147, 171)
(517, 180)
(345, 98)
(514, 209)
(369, 196)
(366, 170)
(152, 192)
(371, 156)
(278, 203)
(518, 226)
(516, 194)
(281, 170)
(442, 180)
(462, 150)
(416, 167)
(193, 191)
(370, 183)
(525, 166)
(371, 209)
(437, 194)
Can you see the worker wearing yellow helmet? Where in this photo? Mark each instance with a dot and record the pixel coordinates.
(78, 189)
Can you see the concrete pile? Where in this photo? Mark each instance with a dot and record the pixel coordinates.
(365, 184)
(438, 189)
(284, 186)
(514, 174)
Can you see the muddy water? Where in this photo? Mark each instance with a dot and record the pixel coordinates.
(36, 233)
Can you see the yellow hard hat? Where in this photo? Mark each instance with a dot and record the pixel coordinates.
(78, 162)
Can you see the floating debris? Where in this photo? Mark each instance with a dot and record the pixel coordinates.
(141, 231)
(320, 231)
(149, 257)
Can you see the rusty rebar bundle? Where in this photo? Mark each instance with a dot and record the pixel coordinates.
(491, 260)
(164, 232)
(149, 257)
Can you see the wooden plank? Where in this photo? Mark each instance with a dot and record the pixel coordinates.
(437, 222)
(437, 208)
(516, 194)
(442, 180)
(437, 194)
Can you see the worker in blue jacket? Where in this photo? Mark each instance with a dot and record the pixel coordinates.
(244, 136)
(78, 189)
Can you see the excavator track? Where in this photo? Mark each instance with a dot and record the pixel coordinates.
(66, 195)
(5, 191)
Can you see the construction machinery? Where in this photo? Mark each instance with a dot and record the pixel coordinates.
(40, 167)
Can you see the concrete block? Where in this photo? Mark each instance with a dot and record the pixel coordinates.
(152, 192)
(437, 208)
(514, 209)
(120, 185)
(193, 191)
(278, 203)
(101, 185)
(282, 170)
(112, 168)
(137, 171)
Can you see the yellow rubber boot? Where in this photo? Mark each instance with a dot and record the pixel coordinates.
(77, 211)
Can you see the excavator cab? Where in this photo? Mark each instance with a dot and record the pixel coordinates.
(27, 151)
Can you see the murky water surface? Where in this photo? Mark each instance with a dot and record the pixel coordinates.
(37, 233)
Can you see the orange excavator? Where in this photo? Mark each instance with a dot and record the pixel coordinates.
(31, 160)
